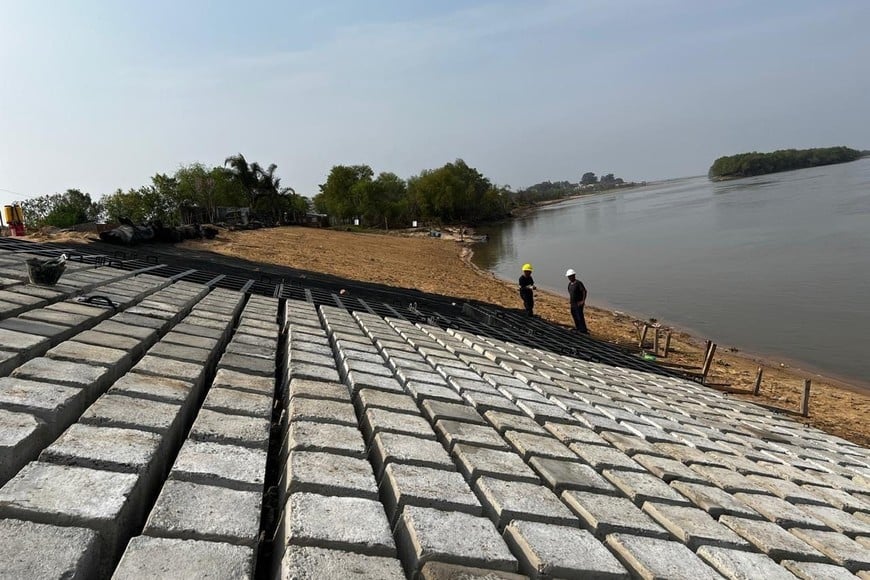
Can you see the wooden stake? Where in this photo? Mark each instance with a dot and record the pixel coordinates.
(805, 399)
(708, 362)
(656, 341)
(667, 343)
(643, 336)
(758, 376)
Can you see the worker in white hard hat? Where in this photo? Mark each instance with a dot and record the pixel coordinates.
(527, 287)
(577, 296)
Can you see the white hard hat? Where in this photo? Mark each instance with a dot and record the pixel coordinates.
(570, 272)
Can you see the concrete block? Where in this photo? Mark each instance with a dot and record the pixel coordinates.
(668, 470)
(190, 511)
(729, 480)
(694, 527)
(325, 374)
(236, 402)
(840, 499)
(31, 550)
(549, 551)
(57, 406)
(371, 398)
(529, 445)
(508, 421)
(442, 571)
(202, 342)
(430, 535)
(8, 361)
(838, 520)
(546, 412)
(230, 466)
(55, 332)
(305, 389)
(603, 515)
(483, 402)
(325, 437)
(428, 391)
(179, 352)
(247, 364)
(329, 474)
(244, 382)
(561, 475)
(772, 540)
(568, 434)
(387, 448)
(659, 558)
(840, 549)
(217, 427)
(322, 411)
(134, 347)
(311, 358)
(107, 448)
(73, 351)
(340, 523)
(174, 369)
(475, 462)
(507, 500)
(644, 487)
(406, 375)
(165, 419)
(162, 389)
(309, 563)
(76, 496)
(405, 485)
(817, 571)
(187, 327)
(91, 378)
(715, 501)
(741, 565)
(601, 458)
(453, 432)
(75, 322)
(22, 436)
(147, 557)
(780, 511)
(144, 334)
(382, 421)
(357, 381)
(438, 410)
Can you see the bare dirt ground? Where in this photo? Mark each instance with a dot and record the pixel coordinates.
(442, 265)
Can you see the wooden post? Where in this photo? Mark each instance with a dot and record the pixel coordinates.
(758, 376)
(667, 343)
(708, 362)
(805, 399)
(656, 340)
(643, 336)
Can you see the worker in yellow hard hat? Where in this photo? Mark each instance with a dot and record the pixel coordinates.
(527, 287)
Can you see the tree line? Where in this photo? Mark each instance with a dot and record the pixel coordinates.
(192, 194)
(754, 163)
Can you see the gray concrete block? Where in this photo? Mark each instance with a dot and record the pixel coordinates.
(389, 448)
(429, 535)
(133, 346)
(603, 515)
(548, 551)
(357, 381)
(741, 565)
(242, 349)
(632, 446)
(305, 389)
(322, 411)
(424, 391)
(440, 410)
(146, 335)
(55, 332)
(504, 501)
(165, 419)
(442, 571)
(405, 375)
(187, 327)
(546, 412)
(371, 398)
(74, 322)
(230, 466)
(174, 369)
(22, 436)
(189, 340)
(325, 437)
(483, 402)
(715, 501)
(560, 475)
(162, 389)
(356, 365)
(694, 527)
(668, 470)
(475, 462)
(508, 421)
(644, 487)
(76, 496)
(340, 523)
(235, 402)
(91, 378)
(780, 511)
(217, 427)
(838, 520)
(840, 549)
(601, 458)
(107, 448)
(453, 432)
(190, 511)
(329, 474)
(529, 445)
(326, 374)
(147, 557)
(383, 421)
(244, 382)
(309, 563)
(651, 558)
(312, 358)
(729, 480)
(840, 499)
(412, 485)
(57, 406)
(191, 354)
(73, 351)
(772, 540)
(247, 364)
(31, 550)
(8, 361)
(817, 571)
(568, 434)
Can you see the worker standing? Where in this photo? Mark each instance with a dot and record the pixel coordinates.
(527, 287)
(577, 296)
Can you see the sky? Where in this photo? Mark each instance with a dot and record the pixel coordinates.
(102, 94)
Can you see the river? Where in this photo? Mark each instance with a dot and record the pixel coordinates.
(777, 265)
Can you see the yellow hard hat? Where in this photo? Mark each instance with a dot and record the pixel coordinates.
(527, 267)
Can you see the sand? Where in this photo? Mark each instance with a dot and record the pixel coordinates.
(442, 265)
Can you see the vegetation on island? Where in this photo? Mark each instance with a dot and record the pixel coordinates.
(754, 163)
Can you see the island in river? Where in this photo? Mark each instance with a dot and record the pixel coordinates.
(754, 163)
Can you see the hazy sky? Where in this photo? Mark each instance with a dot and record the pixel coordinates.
(103, 94)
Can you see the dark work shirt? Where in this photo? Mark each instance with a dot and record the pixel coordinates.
(526, 281)
(576, 292)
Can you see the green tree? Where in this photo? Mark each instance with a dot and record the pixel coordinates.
(61, 209)
(588, 179)
(343, 193)
(457, 193)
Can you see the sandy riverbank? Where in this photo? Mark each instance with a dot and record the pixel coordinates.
(443, 265)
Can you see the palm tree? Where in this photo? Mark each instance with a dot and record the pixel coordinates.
(247, 174)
